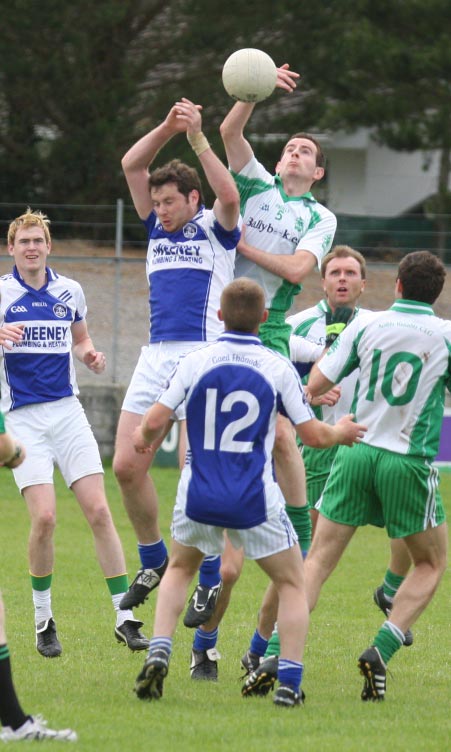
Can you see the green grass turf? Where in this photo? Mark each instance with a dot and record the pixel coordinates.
(90, 687)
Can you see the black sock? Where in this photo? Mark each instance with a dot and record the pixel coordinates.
(11, 713)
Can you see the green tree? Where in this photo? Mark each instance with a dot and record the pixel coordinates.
(389, 68)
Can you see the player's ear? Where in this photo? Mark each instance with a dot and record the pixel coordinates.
(319, 173)
(220, 316)
(265, 315)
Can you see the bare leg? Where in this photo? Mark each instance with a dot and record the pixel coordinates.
(137, 487)
(267, 616)
(232, 561)
(329, 543)
(41, 503)
(286, 572)
(400, 560)
(184, 562)
(90, 494)
(428, 550)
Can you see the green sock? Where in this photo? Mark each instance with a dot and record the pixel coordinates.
(273, 644)
(388, 640)
(391, 583)
(300, 519)
(117, 584)
(41, 583)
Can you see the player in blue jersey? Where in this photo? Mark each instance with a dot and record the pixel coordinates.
(43, 320)
(17, 725)
(404, 357)
(234, 389)
(190, 259)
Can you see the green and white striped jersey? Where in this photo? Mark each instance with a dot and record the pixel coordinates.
(279, 224)
(404, 356)
(307, 343)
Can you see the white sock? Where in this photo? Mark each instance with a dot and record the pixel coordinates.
(42, 601)
(121, 615)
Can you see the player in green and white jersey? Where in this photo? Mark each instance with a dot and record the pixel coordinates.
(404, 357)
(343, 274)
(286, 232)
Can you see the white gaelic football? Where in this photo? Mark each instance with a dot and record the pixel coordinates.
(249, 75)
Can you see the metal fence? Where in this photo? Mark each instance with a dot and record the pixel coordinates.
(104, 248)
(378, 238)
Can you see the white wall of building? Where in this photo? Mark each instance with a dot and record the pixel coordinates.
(365, 178)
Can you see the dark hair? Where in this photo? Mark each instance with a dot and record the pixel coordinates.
(422, 276)
(242, 305)
(320, 157)
(343, 251)
(184, 177)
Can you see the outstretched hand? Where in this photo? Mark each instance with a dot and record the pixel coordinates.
(286, 78)
(350, 432)
(185, 116)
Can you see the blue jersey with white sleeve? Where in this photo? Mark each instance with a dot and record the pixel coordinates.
(234, 389)
(187, 271)
(40, 367)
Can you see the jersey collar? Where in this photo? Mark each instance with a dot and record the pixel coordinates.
(50, 276)
(241, 338)
(402, 305)
(308, 196)
(324, 306)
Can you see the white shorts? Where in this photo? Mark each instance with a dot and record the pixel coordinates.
(275, 535)
(54, 433)
(150, 377)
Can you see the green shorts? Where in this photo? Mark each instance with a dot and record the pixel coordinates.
(368, 485)
(2, 423)
(275, 334)
(318, 464)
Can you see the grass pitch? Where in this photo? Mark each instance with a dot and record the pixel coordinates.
(90, 688)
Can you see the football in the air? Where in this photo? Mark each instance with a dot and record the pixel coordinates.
(249, 75)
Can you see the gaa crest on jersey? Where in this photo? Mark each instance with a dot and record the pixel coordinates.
(59, 310)
(190, 231)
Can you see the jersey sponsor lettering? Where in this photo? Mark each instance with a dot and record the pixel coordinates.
(187, 272)
(40, 367)
(281, 225)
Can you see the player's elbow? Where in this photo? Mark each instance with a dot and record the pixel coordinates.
(295, 276)
(226, 130)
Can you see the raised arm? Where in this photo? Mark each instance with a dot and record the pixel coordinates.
(136, 162)
(227, 203)
(238, 149)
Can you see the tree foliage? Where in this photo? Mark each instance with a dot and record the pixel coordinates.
(79, 82)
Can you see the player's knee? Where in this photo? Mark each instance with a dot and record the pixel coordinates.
(127, 472)
(230, 572)
(99, 516)
(44, 524)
